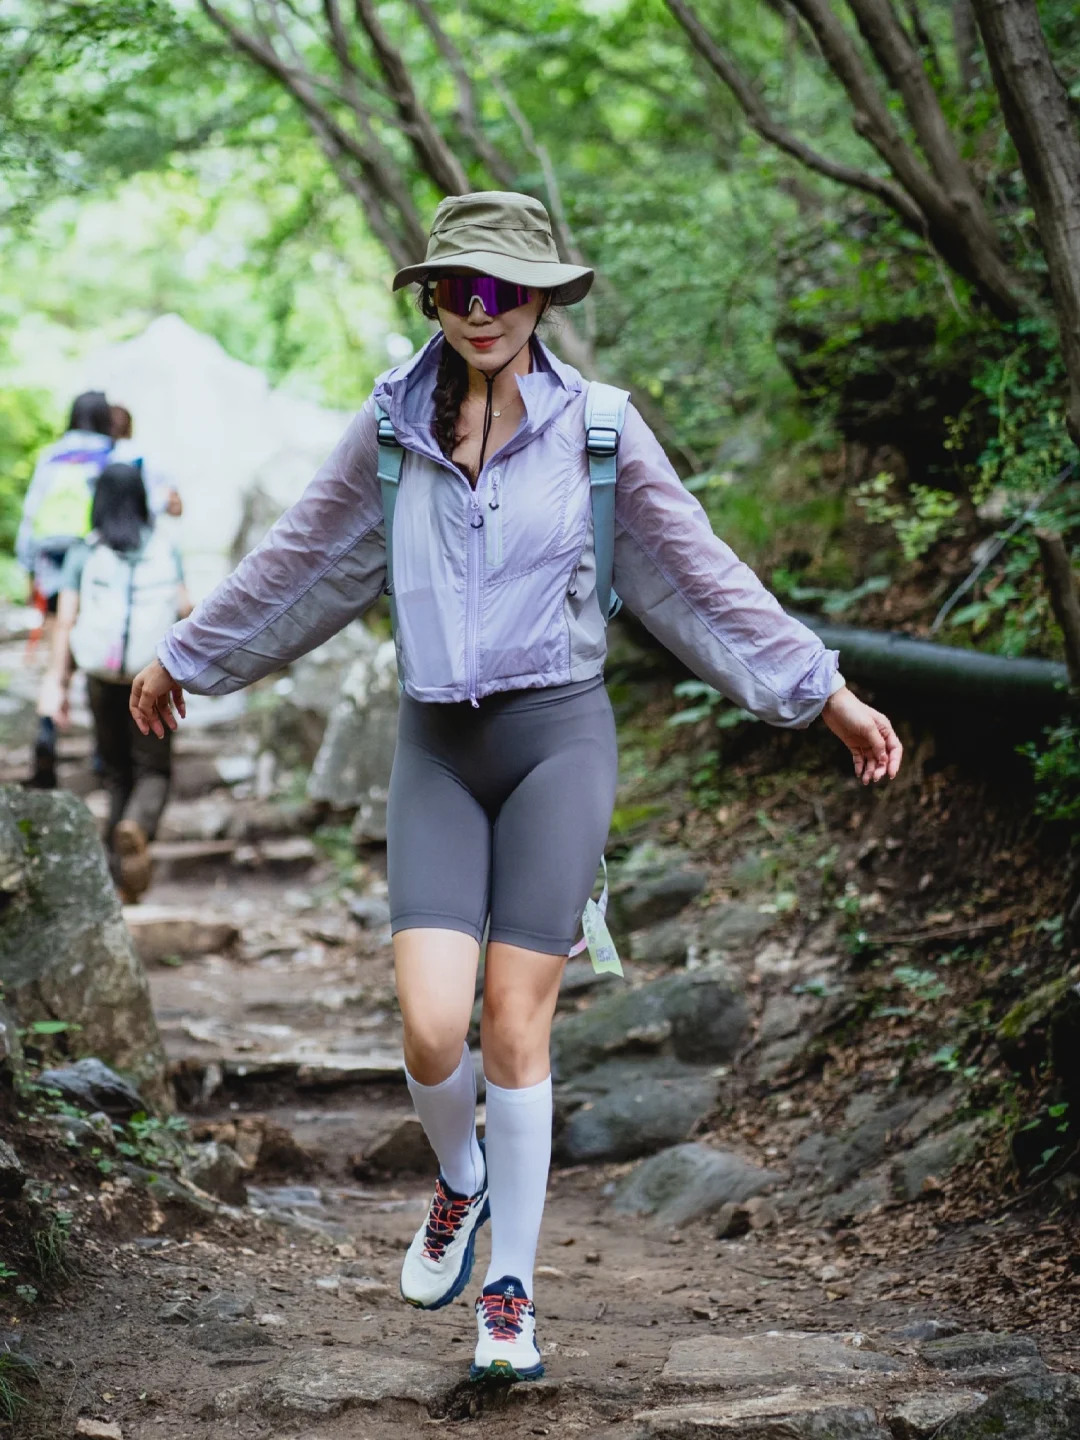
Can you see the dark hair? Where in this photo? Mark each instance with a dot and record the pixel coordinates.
(91, 412)
(452, 380)
(121, 422)
(120, 513)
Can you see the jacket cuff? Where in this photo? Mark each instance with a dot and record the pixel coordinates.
(838, 683)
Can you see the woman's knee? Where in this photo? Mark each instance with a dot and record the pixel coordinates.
(433, 1048)
(516, 1041)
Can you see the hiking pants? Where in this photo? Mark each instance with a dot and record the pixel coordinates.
(501, 812)
(136, 768)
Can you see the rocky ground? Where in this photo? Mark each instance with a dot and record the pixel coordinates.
(781, 1206)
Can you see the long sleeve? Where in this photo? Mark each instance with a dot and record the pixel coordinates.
(321, 566)
(25, 547)
(700, 601)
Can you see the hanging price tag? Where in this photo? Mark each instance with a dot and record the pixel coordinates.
(605, 958)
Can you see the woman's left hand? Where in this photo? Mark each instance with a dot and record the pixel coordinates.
(867, 733)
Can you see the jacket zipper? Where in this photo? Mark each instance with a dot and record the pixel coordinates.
(494, 522)
(472, 619)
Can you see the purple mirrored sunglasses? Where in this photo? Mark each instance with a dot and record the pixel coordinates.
(456, 293)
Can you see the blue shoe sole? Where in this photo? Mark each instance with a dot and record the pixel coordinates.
(464, 1274)
(504, 1371)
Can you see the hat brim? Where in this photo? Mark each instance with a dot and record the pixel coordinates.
(567, 283)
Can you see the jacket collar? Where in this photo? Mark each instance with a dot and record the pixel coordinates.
(407, 394)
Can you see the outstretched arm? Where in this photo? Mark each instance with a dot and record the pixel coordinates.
(711, 610)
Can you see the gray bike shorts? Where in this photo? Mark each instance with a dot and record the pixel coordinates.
(501, 813)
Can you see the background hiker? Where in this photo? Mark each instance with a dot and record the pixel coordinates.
(56, 513)
(120, 590)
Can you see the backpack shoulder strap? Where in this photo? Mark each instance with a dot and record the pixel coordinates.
(391, 457)
(605, 410)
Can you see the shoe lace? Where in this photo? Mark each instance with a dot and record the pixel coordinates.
(444, 1218)
(503, 1314)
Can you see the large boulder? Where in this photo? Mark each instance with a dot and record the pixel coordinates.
(65, 953)
(699, 1016)
(352, 768)
(652, 1104)
(687, 1182)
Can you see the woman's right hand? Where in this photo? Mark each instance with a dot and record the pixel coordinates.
(153, 694)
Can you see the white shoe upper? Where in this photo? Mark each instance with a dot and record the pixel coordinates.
(506, 1326)
(442, 1247)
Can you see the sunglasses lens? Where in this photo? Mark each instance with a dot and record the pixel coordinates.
(456, 293)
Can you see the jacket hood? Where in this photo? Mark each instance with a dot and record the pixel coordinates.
(407, 394)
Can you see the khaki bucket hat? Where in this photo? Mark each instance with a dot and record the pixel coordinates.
(500, 233)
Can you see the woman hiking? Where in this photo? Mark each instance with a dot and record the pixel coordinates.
(500, 556)
(119, 590)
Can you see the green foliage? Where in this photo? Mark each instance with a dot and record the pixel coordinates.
(50, 1242)
(27, 422)
(152, 1141)
(16, 1374)
(919, 521)
(1056, 764)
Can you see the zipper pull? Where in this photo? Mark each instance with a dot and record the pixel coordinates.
(493, 503)
(477, 520)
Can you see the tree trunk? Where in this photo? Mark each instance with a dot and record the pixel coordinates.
(966, 44)
(1036, 109)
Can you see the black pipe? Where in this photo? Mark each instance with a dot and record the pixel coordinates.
(897, 662)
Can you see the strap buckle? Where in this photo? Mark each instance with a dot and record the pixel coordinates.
(601, 440)
(387, 434)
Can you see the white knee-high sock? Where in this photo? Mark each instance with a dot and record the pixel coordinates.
(518, 1147)
(447, 1112)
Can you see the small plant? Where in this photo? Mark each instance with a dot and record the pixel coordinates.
(153, 1142)
(928, 516)
(1056, 764)
(923, 984)
(15, 1374)
(50, 1241)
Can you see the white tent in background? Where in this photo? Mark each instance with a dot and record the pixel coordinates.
(215, 427)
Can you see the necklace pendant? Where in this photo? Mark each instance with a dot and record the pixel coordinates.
(496, 414)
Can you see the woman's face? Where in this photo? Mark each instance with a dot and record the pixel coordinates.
(488, 342)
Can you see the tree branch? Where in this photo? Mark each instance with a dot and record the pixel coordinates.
(757, 113)
(436, 158)
(496, 164)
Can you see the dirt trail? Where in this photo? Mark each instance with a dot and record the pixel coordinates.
(281, 1319)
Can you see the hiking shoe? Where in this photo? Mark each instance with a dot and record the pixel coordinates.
(134, 867)
(506, 1348)
(439, 1261)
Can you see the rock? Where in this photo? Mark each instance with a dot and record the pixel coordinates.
(64, 946)
(665, 944)
(783, 1015)
(688, 1181)
(98, 1429)
(932, 1113)
(1033, 1407)
(291, 855)
(788, 1415)
(402, 1149)
(225, 1307)
(12, 1174)
(840, 1158)
(64, 949)
(218, 1169)
(221, 1336)
(706, 1014)
(177, 1312)
(352, 768)
(11, 1053)
(777, 1358)
(205, 818)
(371, 911)
(324, 1383)
(92, 1086)
(172, 1193)
(734, 1220)
(161, 932)
(636, 1120)
(922, 1417)
(734, 927)
(1023, 1033)
(649, 898)
(933, 1158)
(981, 1352)
(93, 1132)
(858, 1199)
(926, 1330)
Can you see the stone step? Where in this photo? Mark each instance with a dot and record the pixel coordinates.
(161, 932)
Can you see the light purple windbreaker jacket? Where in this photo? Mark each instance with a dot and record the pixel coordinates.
(495, 588)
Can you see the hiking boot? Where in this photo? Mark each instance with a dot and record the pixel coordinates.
(439, 1261)
(506, 1347)
(43, 774)
(134, 867)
